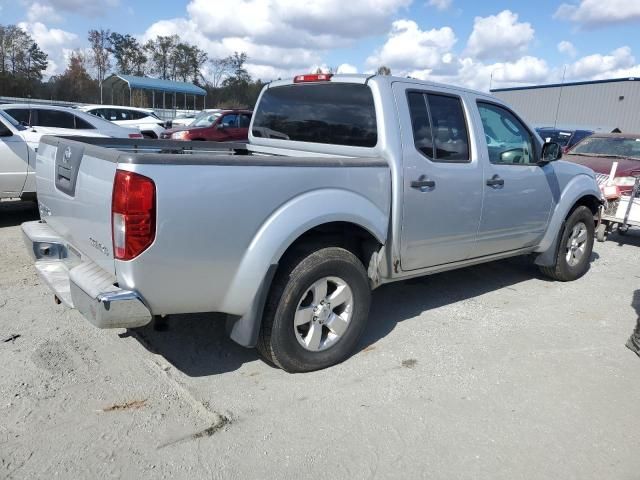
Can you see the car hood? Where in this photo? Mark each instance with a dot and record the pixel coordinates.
(626, 166)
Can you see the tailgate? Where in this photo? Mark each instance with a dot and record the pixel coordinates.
(74, 184)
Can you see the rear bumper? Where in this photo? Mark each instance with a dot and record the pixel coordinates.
(79, 283)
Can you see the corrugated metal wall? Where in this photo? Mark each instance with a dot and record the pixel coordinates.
(590, 105)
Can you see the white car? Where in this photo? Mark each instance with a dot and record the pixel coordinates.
(66, 121)
(145, 120)
(19, 143)
(186, 120)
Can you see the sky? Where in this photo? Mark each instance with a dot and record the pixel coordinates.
(477, 44)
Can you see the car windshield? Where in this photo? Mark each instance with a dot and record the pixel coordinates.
(613, 146)
(204, 120)
(12, 121)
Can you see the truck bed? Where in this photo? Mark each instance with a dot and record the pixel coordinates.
(223, 213)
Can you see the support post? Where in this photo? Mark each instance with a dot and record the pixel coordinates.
(153, 99)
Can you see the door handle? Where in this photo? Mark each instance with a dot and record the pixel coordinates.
(495, 181)
(423, 183)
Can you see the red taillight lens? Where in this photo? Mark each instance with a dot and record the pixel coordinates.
(133, 208)
(136, 135)
(315, 77)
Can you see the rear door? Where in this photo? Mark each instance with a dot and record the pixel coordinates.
(442, 177)
(518, 193)
(243, 127)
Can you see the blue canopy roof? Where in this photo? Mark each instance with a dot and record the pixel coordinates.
(157, 84)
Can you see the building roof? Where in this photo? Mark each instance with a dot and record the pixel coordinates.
(568, 84)
(157, 84)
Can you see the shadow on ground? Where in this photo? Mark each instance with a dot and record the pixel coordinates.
(198, 345)
(15, 212)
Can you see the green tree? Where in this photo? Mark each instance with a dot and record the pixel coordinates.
(75, 84)
(100, 58)
(128, 53)
(160, 51)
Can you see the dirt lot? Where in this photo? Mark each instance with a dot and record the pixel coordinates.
(488, 372)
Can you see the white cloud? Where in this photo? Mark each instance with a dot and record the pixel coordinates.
(499, 37)
(441, 4)
(56, 43)
(280, 37)
(594, 13)
(39, 12)
(408, 47)
(78, 7)
(302, 23)
(567, 48)
(346, 68)
(599, 66)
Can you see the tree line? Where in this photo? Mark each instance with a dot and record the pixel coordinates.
(23, 65)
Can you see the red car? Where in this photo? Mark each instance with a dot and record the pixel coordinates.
(223, 126)
(599, 151)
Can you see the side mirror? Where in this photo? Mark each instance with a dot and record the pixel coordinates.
(4, 131)
(221, 126)
(551, 152)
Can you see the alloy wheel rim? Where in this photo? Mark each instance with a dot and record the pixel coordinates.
(323, 314)
(577, 244)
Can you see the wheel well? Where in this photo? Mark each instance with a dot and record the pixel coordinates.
(589, 201)
(349, 236)
(149, 133)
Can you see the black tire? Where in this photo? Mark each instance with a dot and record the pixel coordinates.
(562, 271)
(277, 341)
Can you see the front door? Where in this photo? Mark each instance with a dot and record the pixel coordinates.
(518, 192)
(13, 164)
(442, 196)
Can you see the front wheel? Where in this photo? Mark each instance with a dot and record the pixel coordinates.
(576, 246)
(316, 312)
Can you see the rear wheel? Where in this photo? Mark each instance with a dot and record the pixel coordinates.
(576, 245)
(316, 312)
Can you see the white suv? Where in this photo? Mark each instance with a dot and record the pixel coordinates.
(145, 120)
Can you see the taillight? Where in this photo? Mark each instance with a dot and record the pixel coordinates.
(136, 135)
(314, 77)
(133, 209)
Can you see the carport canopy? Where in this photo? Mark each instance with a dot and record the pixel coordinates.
(132, 82)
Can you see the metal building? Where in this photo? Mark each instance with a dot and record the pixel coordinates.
(601, 104)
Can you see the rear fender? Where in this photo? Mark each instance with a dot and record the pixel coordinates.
(247, 290)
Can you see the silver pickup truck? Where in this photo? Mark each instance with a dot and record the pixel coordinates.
(347, 182)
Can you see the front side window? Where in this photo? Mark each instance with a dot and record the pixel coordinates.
(20, 114)
(439, 127)
(508, 140)
(327, 113)
(55, 118)
(230, 120)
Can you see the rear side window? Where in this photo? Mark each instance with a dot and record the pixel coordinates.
(20, 114)
(55, 118)
(329, 113)
(245, 120)
(439, 127)
(82, 124)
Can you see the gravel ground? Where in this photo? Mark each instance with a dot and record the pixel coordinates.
(488, 372)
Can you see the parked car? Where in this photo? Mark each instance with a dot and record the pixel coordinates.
(326, 202)
(19, 144)
(564, 137)
(143, 119)
(599, 151)
(66, 121)
(223, 126)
